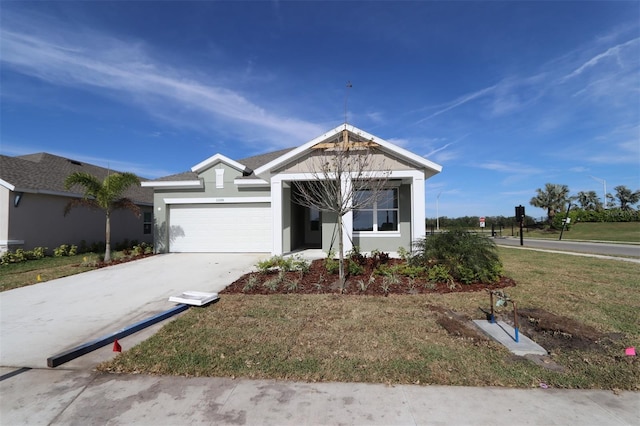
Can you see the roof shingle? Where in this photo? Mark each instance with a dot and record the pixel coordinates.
(43, 172)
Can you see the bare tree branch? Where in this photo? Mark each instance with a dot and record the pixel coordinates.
(344, 175)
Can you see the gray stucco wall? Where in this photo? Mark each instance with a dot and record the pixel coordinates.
(230, 189)
(39, 221)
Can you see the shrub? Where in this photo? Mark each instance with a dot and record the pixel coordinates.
(251, 283)
(140, 249)
(286, 264)
(439, 274)
(404, 254)
(355, 256)
(39, 252)
(469, 257)
(65, 250)
(354, 268)
(379, 258)
(332, 265)
(273, 283)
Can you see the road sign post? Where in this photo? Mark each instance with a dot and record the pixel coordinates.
(520, 218)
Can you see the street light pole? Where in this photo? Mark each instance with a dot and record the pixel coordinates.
(604, 184)
(438, 212)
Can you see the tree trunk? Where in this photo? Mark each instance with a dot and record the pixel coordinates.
(107, 245)
(341, 255)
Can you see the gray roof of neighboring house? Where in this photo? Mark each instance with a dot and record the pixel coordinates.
(46, 173)
(251, 162)
(262, 159)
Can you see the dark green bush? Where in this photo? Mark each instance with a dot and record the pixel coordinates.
(469, 257)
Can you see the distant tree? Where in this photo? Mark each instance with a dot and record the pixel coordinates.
(588, 200)
(103, 195)
(626, 197)
(553, 199)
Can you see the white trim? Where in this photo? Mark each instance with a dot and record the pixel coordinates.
(8, 186)
(276, 215)
(347, 219)
(11, 242)
(217, 200)
(415, 174)
(250, 182)
(203, 165)
(418, 227)
(388, 146)
(171, 184)
(377, 234)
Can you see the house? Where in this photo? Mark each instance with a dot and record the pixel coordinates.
(249, 205)
(33, 198)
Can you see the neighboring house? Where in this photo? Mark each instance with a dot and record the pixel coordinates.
(249, 205)
(33, 198)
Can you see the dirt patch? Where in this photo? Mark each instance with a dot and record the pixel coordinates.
(554, 332)
(318, 281)
(457, 324)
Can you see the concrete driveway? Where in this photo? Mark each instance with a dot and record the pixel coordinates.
(45, 319)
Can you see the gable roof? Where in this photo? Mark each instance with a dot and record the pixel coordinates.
(188, 179)
(44, 173)
(258, 167)
(420, 162)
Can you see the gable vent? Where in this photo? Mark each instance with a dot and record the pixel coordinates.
(77, 163)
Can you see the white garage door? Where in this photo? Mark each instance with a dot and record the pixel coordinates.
(220, 228)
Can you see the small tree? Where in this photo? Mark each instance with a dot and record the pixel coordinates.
(626, 197)
(344, 176)
(104, 195)
(553, 199)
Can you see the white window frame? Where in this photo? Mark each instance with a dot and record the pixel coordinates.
(376, 231)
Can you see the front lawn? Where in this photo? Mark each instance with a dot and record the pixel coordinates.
(584, 310)
(14, 275)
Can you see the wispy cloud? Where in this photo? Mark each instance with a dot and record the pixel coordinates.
(124, 67)
(459, 101)
(579, 169)
(612, 52)
(506, 167)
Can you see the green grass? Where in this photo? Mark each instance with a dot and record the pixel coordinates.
(397, 339)
(622, 232)
(16, 275)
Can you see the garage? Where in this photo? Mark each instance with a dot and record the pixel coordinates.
(208, 228)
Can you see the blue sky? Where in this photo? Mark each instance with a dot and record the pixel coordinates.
(506, 96)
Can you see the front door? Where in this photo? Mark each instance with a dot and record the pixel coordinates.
(313, 227)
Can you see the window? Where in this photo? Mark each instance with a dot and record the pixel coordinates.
(314, 219)
(379, 214)
(147, 219)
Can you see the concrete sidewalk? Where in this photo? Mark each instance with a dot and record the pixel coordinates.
(73, 397)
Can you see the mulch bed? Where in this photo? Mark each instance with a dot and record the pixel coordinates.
(318, 281)
(130, 258)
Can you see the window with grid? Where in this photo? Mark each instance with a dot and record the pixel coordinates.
(380, 214)
(147, 221)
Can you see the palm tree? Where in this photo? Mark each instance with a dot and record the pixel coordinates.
(588, 200)
(104, 195)
(626, 198)
(553, 198)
